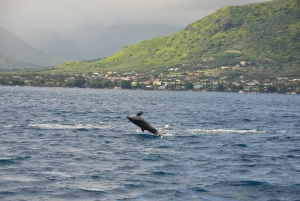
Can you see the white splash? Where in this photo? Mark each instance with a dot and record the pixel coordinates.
(167, 134)
(167, 127)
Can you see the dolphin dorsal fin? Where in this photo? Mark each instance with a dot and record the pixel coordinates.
(139, 114)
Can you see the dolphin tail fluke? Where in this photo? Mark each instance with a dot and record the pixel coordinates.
(139, 114)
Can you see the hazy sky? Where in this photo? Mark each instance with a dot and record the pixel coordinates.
(65, 14)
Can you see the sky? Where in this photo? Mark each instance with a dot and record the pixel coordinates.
(68, 14)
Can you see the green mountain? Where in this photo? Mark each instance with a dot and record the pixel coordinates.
(13, 47)
(265, 34)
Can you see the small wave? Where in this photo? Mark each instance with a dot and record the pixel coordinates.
(205, 131)
(144, 136)
(11, 161)
(58, 174)
(241, 145)
(249, 183)
(7, 161)
(198, 189)
(293, 156)
(161, 173)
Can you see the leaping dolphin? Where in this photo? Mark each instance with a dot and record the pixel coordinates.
(142, 123)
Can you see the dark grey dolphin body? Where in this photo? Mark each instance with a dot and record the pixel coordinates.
(142, 123)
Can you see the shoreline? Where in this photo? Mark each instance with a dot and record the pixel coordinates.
(183, 90)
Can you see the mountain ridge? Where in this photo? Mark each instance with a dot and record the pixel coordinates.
(267, 34)
(102, 41)
(46, 40)
(88, 42)
(9, 64)
(15, 48)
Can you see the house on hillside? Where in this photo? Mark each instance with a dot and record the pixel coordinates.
(157, 82)
(162, 87)
(246, 89)
(198, 86)
(245, 63)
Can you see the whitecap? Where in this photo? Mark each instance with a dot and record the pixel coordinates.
(68, 126)
(167, 134)
(218, 131)
(7, 126)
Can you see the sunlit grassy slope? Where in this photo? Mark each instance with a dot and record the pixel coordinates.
(266, 34)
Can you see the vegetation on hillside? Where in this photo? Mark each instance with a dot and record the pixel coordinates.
(183, 81)
(265, 34)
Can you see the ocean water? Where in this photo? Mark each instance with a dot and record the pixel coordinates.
(76, 144)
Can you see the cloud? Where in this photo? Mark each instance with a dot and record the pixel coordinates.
(65, 14)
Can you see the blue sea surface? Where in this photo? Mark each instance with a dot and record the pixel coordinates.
(76, 144)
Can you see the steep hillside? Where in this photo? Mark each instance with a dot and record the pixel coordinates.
(265, 34)
(13, 47)
(47, 40)
(8, 64)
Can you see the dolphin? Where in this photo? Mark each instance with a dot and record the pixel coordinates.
(142, 123)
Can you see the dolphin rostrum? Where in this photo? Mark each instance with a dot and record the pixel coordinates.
(142, 123)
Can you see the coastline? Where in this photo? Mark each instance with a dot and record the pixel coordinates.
(139, 89)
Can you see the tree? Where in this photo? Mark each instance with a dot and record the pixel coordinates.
(271, 89)
(95, 83)
(106, 83)
(189, 85)
(79, 83)
(220, 87)
(172, 86)
(125, 84)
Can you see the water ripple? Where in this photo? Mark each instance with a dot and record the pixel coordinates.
(76, 144)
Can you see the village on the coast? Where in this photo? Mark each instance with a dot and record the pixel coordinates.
(173, 78)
